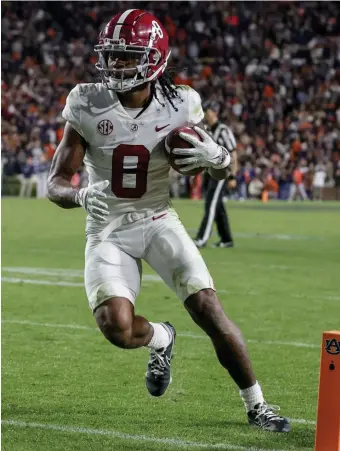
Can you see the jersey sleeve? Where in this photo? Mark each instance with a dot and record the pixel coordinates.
(195, 111)
(71, 111)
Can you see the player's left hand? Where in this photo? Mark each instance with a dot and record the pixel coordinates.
(206, 153)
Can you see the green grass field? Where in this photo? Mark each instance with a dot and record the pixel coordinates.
(65, 388)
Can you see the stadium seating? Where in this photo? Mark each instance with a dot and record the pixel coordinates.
(273, 67)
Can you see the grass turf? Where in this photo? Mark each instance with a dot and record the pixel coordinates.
(280, 284)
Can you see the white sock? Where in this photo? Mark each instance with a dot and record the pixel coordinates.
(252, 396)
(160, 338)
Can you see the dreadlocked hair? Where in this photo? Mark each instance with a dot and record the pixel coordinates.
(170, 91)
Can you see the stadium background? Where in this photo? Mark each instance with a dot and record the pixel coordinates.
(273, 67)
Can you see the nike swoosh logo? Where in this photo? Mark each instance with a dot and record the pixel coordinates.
(159, 217)
(158, 129)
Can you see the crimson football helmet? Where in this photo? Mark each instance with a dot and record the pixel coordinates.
(133, 49)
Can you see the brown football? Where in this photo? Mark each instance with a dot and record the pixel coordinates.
(173, 140)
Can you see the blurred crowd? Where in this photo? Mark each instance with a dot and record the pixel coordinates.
(274, 67)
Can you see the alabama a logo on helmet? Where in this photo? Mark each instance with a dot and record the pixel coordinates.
(156, 29)
(333, 346)
(105, 127)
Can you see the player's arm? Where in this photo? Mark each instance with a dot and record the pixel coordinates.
(206, 153)
(229, 143)
(67, 160)
(233, 168)
(234, 164)
(223, 173)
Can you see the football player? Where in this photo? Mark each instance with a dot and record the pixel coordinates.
(117, 129)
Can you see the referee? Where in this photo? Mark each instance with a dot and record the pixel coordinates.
(215, 189)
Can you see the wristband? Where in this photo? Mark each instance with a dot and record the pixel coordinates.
(80, 197)
(223, 159)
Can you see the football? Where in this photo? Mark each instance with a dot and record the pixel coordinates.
(173, 140)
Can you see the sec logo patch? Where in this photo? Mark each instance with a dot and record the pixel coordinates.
(105, 127)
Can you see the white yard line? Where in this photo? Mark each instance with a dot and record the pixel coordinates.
(41, 282)
(54, 326)
(61, 283)
(146, 278)
(44, 271)
(270, 236)
(140, 438)
(294, 344)
(78, 273)
(64, 272)
(279, 236)
(302, 421)
(322, 298)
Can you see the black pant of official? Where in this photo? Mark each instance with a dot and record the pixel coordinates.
(215, 211)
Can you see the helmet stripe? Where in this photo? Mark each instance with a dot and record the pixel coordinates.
(120, 23)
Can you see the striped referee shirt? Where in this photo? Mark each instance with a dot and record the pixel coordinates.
(219, 133)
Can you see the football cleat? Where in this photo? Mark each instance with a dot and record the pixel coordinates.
(158, 375)
(265, 417)
(223, 244)
(199, 243)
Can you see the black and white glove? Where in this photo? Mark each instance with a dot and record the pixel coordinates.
(206, 153)
(88, 198)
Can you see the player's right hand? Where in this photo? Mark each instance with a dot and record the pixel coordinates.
(88, 198)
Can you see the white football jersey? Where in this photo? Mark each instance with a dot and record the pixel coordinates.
(126, 151)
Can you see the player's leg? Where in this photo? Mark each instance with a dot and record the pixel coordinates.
(207, 312)
(222, 223)
(39, 185)
(31, 181)
(213, 193)
(182, 268)
(119, 324)
(22, 180)
(45, 174)
(292, 192)
(302, 192)
(243, 191)
(204, 223)
(175, 258)
(112, 281)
